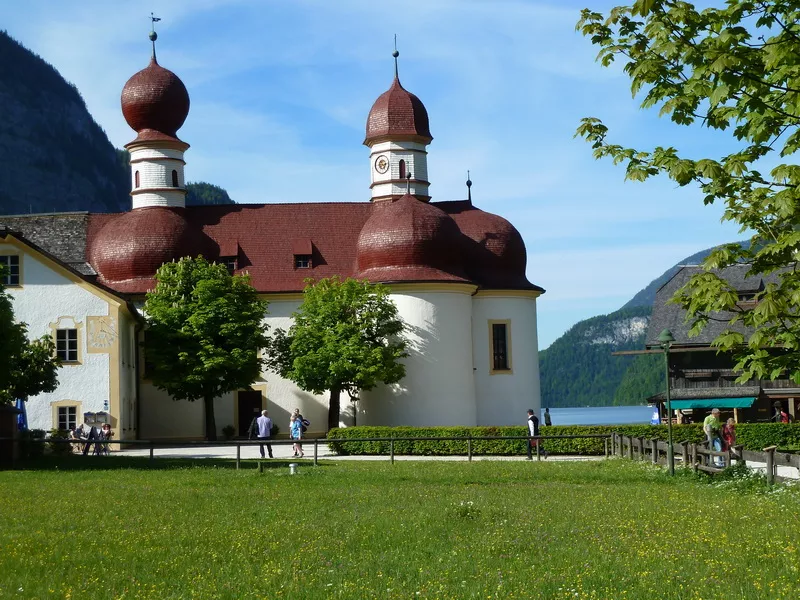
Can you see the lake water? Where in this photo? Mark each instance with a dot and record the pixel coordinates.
(600, 415)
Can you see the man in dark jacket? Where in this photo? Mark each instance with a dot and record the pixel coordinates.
(533, 430)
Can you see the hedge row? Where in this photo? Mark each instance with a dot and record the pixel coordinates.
(753, 436)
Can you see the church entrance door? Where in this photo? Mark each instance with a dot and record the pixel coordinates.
(249, 407)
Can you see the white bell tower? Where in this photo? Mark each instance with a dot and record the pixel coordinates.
(398, 135)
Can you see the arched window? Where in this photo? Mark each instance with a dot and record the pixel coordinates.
(174, 178)
(402, 169)
(136, 179)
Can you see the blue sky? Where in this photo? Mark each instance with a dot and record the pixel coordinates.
(280, 92)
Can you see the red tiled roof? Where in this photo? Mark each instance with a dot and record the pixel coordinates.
(488, 254)
(398, 114)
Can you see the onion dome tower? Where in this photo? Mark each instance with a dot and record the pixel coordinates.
(130, 247)
(155, 104)
(398, 135)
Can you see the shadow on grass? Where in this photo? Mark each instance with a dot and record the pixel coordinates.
(105, 463)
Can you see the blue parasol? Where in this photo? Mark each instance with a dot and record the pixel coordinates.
(22, 417)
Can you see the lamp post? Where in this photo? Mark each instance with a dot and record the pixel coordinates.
(666, 339)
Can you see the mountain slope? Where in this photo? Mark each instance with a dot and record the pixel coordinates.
(54, 156)
(578, 369)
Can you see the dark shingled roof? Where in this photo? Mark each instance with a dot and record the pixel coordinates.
(671, 316)
(61, 234)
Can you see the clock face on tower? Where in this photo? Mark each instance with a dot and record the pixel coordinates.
(381, 164)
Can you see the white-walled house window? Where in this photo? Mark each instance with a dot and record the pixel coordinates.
(67, 417)
(11, 271)
(499, 347)
(67, 345)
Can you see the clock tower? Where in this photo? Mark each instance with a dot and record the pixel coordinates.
(398, 135)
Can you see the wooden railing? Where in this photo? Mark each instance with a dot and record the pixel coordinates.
(700, 458)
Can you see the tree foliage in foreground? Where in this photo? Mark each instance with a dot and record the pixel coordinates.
(205, 330)
(346, 336)
(27, 367)
(734, 68)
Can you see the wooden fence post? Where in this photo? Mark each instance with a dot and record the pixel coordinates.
(641, 448)
(685, 453)
(605, 447)
(469, 449)
(739, 449)
(316, 452)
(391, 450)
(238, 455)
(694, 457)
(152, 458)
(654, 450)
(630, 447)
(770, 450)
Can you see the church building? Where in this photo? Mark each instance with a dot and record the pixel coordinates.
(456, 273)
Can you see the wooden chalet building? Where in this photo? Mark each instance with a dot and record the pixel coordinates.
(700, 377)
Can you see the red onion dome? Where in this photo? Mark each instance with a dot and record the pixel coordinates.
(496, 253)
(409, 240)
(155, 101)
(398, 114)
(136, 243)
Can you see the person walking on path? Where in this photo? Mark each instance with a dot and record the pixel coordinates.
(264, 424)
(547, 421)
(712, 427)
(533, 430)
(296, 430)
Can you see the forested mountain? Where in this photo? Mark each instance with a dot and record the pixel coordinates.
(202, 193)
(578, 369)
(54, 156)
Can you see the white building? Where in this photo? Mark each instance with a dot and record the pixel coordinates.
(457, 275)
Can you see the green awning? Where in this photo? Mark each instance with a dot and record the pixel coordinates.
(713, 403)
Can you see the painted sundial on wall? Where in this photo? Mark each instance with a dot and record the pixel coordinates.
(381, 164)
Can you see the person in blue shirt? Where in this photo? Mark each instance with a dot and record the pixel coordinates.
(264, 424)
(296, 430)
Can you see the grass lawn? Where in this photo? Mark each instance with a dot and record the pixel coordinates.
(111, 528)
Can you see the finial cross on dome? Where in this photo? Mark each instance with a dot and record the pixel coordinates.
(153, 35)
(469, 187)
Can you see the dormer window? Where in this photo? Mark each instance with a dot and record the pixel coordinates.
(229, 262)
(302, 250)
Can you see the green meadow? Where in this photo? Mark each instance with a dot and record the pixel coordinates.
(112, 528)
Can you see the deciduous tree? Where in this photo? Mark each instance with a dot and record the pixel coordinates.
(205, 330)
(346, 336)
(734, 68)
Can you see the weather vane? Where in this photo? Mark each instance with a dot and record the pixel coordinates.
(153, 35)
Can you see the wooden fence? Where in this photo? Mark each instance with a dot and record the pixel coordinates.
(700, 458)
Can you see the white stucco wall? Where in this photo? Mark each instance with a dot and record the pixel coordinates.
(438, 388)
(44, 296)
(504, 398)
(163, 417)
